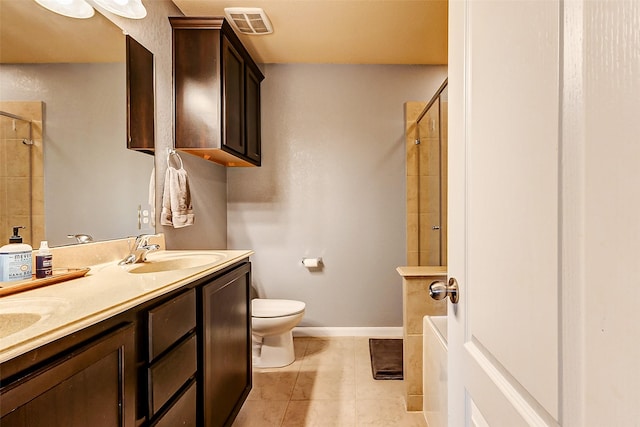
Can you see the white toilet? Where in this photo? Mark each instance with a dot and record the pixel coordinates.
(272, 322)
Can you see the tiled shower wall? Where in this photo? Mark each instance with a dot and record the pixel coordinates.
(21, 172)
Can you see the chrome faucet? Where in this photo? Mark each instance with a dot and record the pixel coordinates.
(141, 248)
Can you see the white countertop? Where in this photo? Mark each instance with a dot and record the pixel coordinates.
(107, 290)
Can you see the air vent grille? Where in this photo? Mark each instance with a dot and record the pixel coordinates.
(249, 20)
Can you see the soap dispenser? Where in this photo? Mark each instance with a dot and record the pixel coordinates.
(15, 258)
(44, 261)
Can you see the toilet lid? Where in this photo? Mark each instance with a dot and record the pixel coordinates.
(265, 307)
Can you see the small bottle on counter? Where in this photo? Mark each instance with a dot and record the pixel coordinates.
(15, 259)
(44, 261)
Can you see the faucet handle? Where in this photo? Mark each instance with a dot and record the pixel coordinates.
(141, 246)
(143, 240)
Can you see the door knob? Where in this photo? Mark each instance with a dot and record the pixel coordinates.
(440, 290)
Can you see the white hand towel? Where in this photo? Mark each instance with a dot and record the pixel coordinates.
(176, 199)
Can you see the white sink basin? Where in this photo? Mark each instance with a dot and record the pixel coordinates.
(18, 314)
(168, 261)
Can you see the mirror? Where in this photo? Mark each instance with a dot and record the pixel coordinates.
(89, 182)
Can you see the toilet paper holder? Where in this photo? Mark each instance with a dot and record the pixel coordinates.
(312, 262)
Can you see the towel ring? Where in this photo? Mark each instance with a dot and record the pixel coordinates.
(173, 152)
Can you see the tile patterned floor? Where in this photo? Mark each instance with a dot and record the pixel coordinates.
(330, 384)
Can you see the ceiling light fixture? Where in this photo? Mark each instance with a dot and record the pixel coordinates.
(71, 8)
(133, 9)
(249, 20)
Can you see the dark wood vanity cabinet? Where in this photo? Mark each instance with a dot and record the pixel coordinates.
(172, 361)
(226, 355)
(89, 384)
(199, 352)
(182, 359)
(217, 93)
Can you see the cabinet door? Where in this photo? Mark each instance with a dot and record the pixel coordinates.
(91, 386)
(227, 347)
(140, 98)
(196, 79)
(252, 115)
(233, 97)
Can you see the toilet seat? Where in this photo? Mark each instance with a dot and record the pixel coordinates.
(267, 308)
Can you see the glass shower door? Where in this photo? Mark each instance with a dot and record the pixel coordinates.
(431, 141)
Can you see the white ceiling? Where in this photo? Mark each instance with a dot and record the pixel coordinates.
(342, 31)
(31, 33)
(305, 31)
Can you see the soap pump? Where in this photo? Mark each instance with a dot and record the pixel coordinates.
(15, 258)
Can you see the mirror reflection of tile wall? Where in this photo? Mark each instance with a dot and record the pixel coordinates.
(21, 172)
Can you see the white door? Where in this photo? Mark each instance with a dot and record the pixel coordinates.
(544, 212)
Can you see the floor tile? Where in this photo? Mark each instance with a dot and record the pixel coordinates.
(320, 413)
(257, 413)
(387, 413)
(270, 386)
(329, 384)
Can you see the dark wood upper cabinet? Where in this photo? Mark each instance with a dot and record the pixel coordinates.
(252, 113)
(140, 98)
(217, 93)
(233, 97)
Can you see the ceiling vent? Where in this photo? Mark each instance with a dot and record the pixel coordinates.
(249, 20)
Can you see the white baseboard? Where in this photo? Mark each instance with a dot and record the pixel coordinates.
(320, 331)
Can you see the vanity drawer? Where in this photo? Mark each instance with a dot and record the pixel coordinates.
(171, 321)
(171, 372)
(183, 412)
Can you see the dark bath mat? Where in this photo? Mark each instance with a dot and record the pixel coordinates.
(386, 358)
